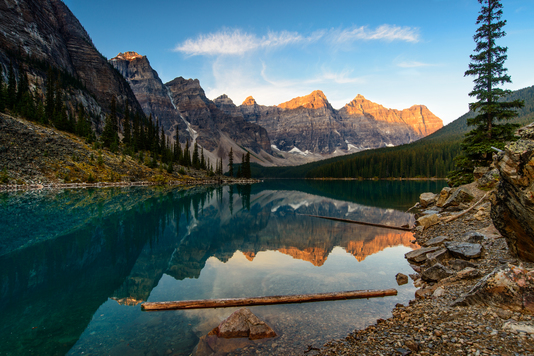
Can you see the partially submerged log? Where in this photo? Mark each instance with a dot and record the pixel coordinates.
(277, 299)
(360, 222)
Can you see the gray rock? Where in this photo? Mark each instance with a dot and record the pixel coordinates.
(489, 179)
(438, 256)
(459, 265)
(436, 272)
(419, 255)
(436, 241)
(426, 199)
(401, 279)
(464, 250)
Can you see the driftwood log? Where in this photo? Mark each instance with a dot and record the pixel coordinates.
(360, 222)
(277, 299)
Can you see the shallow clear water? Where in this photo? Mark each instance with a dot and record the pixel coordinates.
(74, 265)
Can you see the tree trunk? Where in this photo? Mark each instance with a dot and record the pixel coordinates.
(278, 299)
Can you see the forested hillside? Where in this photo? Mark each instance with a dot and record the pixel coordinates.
(431, 156)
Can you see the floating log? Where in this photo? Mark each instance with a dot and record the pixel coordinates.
(360, 222)
(277, 299)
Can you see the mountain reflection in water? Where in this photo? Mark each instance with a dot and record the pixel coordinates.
(93, 247)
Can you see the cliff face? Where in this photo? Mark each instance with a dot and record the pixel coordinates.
(210, 124)
(418, 118)
(36, 33)
(309, 123)
(149, 90)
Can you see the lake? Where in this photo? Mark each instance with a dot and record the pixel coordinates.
(75, 265)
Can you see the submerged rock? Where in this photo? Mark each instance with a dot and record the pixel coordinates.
(401, 279)
(233, 333)
(242, 323)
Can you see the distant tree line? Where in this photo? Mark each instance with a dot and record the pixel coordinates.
(433, 160)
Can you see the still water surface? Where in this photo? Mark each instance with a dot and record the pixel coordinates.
(75, 265)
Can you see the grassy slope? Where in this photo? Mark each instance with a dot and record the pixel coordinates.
(453, 132)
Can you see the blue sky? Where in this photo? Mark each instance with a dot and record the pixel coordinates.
(395, 53)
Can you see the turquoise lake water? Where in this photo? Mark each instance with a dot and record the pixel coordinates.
(76, 264)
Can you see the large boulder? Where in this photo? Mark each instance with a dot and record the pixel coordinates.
(426, 199)
(459, 196)
(428, 220)
(443, 196)
(513, 203)
(507, 287)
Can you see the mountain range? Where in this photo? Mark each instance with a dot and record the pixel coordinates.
(301, 130)
(39, 35)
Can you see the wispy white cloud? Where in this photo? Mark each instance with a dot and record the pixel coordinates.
(383, 32)
(237, 42)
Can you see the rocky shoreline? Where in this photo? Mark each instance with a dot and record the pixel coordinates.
(476, 286)
(197, 182)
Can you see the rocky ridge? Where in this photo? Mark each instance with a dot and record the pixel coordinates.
(309, 125)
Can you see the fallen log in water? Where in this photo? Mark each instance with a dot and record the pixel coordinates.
(277, 299)
(360, 222)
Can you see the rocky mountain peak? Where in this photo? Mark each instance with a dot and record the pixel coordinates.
(127, 56)
(224, 100)
(315, 100)
(249, 101)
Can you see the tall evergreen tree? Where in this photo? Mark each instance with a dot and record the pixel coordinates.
(196, 158)
(110, 136)
(127, 139)
(202, 160)
(2, 94)
(177, 150)
(246, 167)
(49, 99)
(231, 163)
(487, 66)
(136, 133)
(187, 155)
(11, 94)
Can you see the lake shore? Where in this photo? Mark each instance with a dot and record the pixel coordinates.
(178, 183)
(430, 324)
